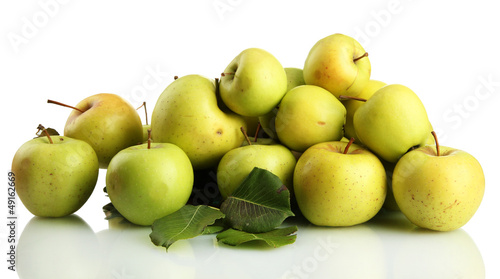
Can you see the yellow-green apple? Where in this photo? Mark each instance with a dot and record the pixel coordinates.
(352, 105)
(307, 115)
(107, 122)
(438, 188)
(392, 121)
(187, 115)
(148, 181)
(55, 175)
(295, 77)
(236, 164)
(253, 83)
(339, 184)
(339, 64)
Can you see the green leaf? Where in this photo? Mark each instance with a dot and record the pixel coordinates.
(218, 226)
(188, 222)
(260, 204)
(275, 238)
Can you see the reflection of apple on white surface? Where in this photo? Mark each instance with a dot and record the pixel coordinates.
(129, 254)
(339, 185)
(56, 248)
(343, 252)
(438, 187)
(149, 181)
(411, 251)
(55, 175)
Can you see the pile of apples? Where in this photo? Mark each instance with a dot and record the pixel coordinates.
(343, 144)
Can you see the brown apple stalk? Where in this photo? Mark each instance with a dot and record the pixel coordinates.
(246, 136)
(145, 111)
(364, 55)
(256, 132)
(437, 143)
(348, 145)
(41, 128)
(149, 137)
(64, 105)
(344, 97)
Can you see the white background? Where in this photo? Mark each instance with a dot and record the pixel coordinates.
(446, 51)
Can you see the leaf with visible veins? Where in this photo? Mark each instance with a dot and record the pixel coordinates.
(260, 204)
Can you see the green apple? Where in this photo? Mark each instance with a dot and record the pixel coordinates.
(268, 123)
(307, 115)
(339, 185)
(187, 115)
(235, 166)
(438, 188)
(295, 77)
(55, 176)
(253, 83)
(148, 181)
(391, 122)
(107, 122)
(339, 64)
(352, 105)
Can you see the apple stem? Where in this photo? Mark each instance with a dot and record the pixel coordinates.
(344, 97)
(246, 136)
(348, 145)
(364, 55)
(437, 143)
(41, 128)
(176, 77)
(149, 138)
(224, 74)
(256, 132)
(64, 105)
(145, 111)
